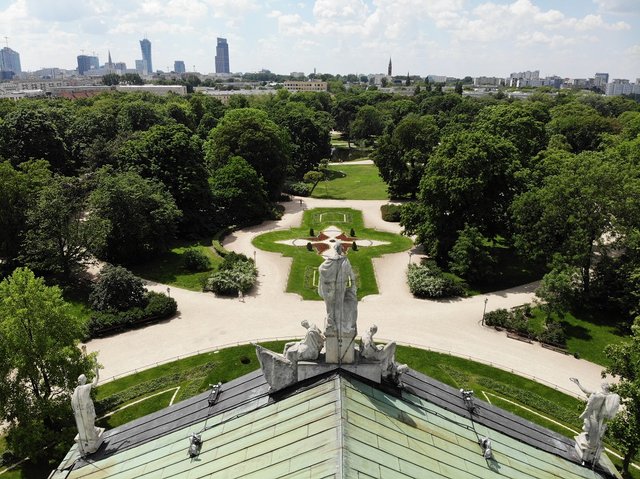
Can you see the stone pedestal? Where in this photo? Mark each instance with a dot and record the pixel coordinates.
(89, 446)
(585, 451)
(339, 351)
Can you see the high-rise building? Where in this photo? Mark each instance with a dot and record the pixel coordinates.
(94, 62)
(222, 56)
(141, 67)
(84, 64)
(145, 46)
(10, 61)
(601, 79)
(178, 67)
(389, 70)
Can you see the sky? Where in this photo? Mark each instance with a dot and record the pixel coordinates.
(568, 38)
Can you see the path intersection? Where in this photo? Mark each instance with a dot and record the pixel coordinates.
(205, 321)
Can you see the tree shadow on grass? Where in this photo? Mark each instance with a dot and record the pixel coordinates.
(576, 332)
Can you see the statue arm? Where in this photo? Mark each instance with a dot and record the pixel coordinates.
(96, 378)
(588, 392)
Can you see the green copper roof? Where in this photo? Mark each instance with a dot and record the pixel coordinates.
(338, 428)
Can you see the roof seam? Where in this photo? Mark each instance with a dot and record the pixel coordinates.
(341, 428)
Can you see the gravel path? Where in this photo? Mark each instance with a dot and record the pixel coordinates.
(205, 321)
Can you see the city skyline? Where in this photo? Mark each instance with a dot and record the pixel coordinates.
(448, 37)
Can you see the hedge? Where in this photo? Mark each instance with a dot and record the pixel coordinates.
(159, 306)
(391, 212)
(428, 281)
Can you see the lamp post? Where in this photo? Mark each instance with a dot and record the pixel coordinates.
(254, 257)
(410, 255)
(168, 291)
(485, 309)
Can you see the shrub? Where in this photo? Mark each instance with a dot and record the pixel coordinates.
(352, 232)
(500, 318)
(236, 273)
(391, 212)
(425, 282)
(195, 260)
(309, 246)
(311, 232)
(354, 246)
(7, 458)
(553, 334)
(158, 306)
(297, 188)
(117, 289)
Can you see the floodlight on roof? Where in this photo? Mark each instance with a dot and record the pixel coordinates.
(213, 395)
(467, 397)
(487, 451)
(195, 445)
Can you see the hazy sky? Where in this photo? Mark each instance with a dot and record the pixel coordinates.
(570, 38)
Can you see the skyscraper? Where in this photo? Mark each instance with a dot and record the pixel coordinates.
(222, 56)
(178, 67)
(84, 64)
(10, 61)
(145, 46)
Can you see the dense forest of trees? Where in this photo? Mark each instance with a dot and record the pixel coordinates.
(121, 176)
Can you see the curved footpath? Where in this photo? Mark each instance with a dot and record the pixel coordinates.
(205, 321)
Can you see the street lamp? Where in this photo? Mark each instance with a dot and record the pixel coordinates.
(168, 291)
(410, 255)
(254, 257)
(485, 309)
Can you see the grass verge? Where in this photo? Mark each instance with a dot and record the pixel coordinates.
(169, 267)
(305, 262)
(352, 182)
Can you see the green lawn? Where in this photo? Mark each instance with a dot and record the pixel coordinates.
(352, 182)
(588, 333)
(306, 262)
(169, 268)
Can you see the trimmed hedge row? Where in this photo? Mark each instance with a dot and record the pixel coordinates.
(517, 321)
(236, 273)
(159, 306)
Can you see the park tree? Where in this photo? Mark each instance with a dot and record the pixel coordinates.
(59, 239)
(92, 135)
(344, 113)
(624, 364)
(19, 189)
(313, 176)
(402, 155)
(142, 216)
(173, 156)
(470, 179)
(580, 124)
(138, 115)
(111, 79)
(470, 256)
(368, 122)
(570, 212)
(250, 134)
(30, 133)
(517, 123)
(309, 132)
(239, 193)
(39, 363)
(117, 289)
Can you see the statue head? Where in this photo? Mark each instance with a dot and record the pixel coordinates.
(373, 329)
(605, 386)
(337, 247)
(305, 324)
(82, 379)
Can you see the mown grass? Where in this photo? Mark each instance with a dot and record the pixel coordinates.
(169, 267)
(588, 333)
(351, 182)
(304, 262)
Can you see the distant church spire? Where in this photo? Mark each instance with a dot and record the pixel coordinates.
(110, 63)
(389, 70)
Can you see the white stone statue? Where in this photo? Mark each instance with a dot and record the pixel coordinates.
(386, 355)
(337, 286)
(309, 348)
(89, 436)
(601, 405)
